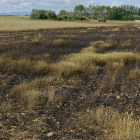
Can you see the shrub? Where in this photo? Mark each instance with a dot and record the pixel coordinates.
(64, 17)
(42, 14)
(101, 19)
(81, 18)
(76, 17)
(69, 18)
(59, 18)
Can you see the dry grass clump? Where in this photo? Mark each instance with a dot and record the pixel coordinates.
(116, 29)
(101, 45)
(134, 74)
(68, 36)
(31, 98)
(85, 63)
(40, 68)
(108, 44)
(98, 36)
(61, 42)
(90, 28)
(24, 66)
(36, 41)
(112, 73)
(112, 35)
(102, 59)
(83, 31)
(58, 41)
(105, 30)
(27, 37)
(54, 99)
(79, 65)
(30, 94)
(44, 57)
(127, 43)
(110, 123)
(89, 49)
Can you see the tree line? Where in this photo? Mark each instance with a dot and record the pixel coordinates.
(123, 12)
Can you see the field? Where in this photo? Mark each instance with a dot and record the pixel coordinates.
(72, 81)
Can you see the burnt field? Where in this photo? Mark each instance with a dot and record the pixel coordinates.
(70, 84)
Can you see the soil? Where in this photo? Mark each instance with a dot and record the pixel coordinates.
(86, 92)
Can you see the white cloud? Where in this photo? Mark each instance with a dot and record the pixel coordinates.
(25, 4)
(116, 3)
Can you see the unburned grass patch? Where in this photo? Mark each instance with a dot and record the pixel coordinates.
(111, 77)
(58, 41)
(27, 37)
(109, 123)
(115, 29)
(36, 41)
(98, 36)
(103, 46)
(30, 94)
(134, 74)
(85, 63)
(68, 36)
(53, 99)
(126, 44)
(83, 31)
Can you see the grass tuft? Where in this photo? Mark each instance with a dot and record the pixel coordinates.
(110, 123)
(116, 29)
(127, 44)
(27, 37)
(36, 41)
(68, 36)
(53, 99)
(134, 74)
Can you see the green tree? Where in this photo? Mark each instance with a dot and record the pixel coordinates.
(79, 9)
(63, 12)
(50, 14)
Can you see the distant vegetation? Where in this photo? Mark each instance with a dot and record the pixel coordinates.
(123, 12)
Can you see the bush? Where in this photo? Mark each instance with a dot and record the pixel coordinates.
(69, 18)
(81, 18)
(42, 14)
(84, 18)
(101, 19)
(64, 17)
(76, 17)
(59, 18)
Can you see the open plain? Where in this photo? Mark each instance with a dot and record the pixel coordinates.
(77, 83)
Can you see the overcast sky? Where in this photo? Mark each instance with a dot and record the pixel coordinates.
(57, 5)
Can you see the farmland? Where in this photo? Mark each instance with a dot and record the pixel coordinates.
(69, 80)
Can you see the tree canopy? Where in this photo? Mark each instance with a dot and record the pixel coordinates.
(122, 12)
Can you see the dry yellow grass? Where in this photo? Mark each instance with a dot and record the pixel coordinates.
(83, 31)
(127, 43)
(85, 63)
(98, 36)
(68, 36)
(134, 74)
(100, 45)
(58, 41)
(35, 41)
(112, 35)
(114, 125)
(116, 29)
(27, 37)
(30, 94)
(26, 25)
(90, 28)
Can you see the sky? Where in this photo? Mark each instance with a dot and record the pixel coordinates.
(8, 6)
